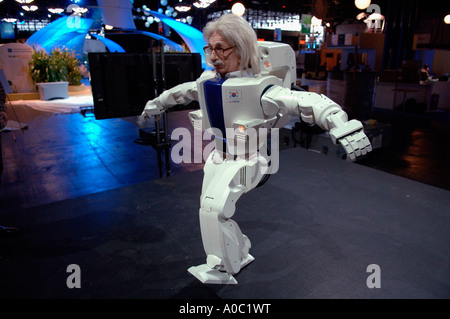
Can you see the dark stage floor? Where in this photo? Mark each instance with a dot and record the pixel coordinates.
(82, 192)
(315, 227)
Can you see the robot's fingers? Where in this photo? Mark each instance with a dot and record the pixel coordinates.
(360, 144)
(348, 148)
(364, 143)
(356, 145)
(368, 145)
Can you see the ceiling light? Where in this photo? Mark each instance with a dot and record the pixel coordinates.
(447, 19)
(201, 4)
(182, 7)
(238, 9)
(362, 4)
(56, 10)
(79, 10)
(11, 20)
(30, 8)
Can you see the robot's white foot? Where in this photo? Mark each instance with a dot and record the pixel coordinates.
(208, 275)
(247, 260)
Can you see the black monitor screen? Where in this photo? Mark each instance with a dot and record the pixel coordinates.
(122, 83)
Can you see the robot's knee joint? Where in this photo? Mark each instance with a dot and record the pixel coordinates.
(223, 210)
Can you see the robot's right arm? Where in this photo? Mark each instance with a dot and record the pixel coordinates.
(181, 94)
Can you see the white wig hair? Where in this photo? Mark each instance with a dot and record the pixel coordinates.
(237, 32)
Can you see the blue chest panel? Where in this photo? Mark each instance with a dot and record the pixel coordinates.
(214, 105)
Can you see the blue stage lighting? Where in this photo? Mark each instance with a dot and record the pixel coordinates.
(111, 45)
(65, 32)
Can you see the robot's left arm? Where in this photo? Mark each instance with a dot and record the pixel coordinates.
(318, 109)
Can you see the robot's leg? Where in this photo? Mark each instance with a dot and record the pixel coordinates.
(227, 249)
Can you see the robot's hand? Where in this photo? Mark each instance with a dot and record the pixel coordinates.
(152, 108)
(350, 135)
(355, 145)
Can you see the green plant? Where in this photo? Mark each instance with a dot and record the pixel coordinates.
(73, 69)
(59, 65)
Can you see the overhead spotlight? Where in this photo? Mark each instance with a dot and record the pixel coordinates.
(10, 20)
(79, 10)
(362, 4)
(202, 4)
(238, 9)
(183, 7)
(30, 8)
(447, 19)
(56, 10)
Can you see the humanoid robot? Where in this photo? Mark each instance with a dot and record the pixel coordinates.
(241, 109)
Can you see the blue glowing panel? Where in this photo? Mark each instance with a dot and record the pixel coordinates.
(66, 32)
(7, 30)
(190, 35)
(111, 45)
(71, 40)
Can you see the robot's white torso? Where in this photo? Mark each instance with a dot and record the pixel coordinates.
(233, 105)
(227, 101)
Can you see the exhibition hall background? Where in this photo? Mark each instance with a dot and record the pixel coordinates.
(84, 184)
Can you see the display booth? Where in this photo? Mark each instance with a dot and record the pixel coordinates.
(14, 59)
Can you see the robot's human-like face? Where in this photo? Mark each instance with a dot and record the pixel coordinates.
(222, 55)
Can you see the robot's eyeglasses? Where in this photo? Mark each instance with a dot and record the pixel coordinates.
(219, 50)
